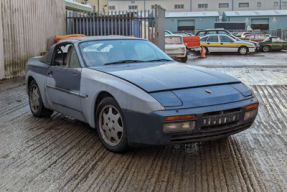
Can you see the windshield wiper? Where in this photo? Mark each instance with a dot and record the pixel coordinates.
(124, 61)
(159, 60)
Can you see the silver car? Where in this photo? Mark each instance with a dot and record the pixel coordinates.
(135, 94)
(225, 43)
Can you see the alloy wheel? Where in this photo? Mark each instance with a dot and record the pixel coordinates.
(243, 51)
(111, 125)
(35, 99)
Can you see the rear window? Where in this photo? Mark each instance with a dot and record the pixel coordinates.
(211, 32)
(201, 33)
(173, 40)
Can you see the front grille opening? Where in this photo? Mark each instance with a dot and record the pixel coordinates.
(212, 127)
(204, 136)
(221, 112)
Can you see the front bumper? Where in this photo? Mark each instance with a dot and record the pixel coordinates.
(147, 129)
(177, 55)
(252, 49)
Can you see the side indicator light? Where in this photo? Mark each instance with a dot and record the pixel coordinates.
(179, 117)
(251, 106)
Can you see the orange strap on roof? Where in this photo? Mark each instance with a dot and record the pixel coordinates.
(58, 38)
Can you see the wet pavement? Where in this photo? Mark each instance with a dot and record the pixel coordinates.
(63, 154)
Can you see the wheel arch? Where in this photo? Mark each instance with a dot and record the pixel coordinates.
(98, 99)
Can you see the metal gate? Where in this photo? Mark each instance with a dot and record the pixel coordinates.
(148, 24)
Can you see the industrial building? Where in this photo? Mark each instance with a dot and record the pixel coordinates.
(263, 20)
(198, 5)
(189, 21)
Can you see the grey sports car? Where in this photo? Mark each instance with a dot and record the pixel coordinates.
(134, 94)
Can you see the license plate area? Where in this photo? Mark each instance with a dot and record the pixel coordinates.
(221, 119)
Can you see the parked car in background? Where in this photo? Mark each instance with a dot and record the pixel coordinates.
(167, 32)
(212, 32)
(175, 47)
(256, 44)
(225, 43)
(273, 43)
(134, 94)
(257, 37)
(184, 34)
(189, 41)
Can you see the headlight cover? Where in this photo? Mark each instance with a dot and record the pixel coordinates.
(183, 50)
(250, 114)
(179, 126)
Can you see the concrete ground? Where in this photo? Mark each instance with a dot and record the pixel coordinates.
(63, 154)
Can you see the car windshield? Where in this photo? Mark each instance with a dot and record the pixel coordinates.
(98, 53)
(267, 39)
(173, 40)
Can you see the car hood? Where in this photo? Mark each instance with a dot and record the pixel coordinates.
(154, 77)
(245, 42)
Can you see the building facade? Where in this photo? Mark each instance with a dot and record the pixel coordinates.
(190, 21)
(100, 5)
(263, 20)
(198, 5)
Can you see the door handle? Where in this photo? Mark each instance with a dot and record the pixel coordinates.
(221, 43)
(208, 43)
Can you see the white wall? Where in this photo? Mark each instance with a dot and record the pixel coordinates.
(2, 69)
(27, 26)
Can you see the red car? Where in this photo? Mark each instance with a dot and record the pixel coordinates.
(257, 37)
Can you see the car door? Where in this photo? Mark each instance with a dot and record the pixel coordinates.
(227, 44)
(213, 44)
(276, 44)
(63, 84)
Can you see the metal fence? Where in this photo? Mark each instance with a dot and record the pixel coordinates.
(143, 24)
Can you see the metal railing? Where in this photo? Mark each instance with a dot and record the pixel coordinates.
(142, 24)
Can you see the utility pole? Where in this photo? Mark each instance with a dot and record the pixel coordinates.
(144, 5)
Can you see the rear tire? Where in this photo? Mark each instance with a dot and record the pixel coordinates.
(36, 103)
(243, 50)
(265, 48)
(110, 126)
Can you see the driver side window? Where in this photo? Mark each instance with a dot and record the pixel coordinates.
(60, 55)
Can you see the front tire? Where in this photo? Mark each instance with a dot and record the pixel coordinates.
(243, 50)
(111, 126)
(183, 59)
(36, 103)
(266, 48)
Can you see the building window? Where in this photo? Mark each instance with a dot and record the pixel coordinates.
(284, 4)
(243, 4)
(259, 4)
(223, 5)
(133, 7)
(153, 6)
(202, 6)
(112, 7)
(275, 4)
(179, 6)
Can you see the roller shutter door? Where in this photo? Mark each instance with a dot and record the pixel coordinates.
(262, 24)
(185, 25)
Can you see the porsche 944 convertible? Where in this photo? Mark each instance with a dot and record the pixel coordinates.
(135, 94)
